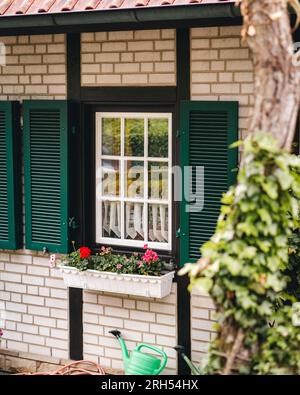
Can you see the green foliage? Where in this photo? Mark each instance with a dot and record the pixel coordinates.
(280, 353)
(107, 261)
(245, 265)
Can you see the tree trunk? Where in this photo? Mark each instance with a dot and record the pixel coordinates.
(276, 90)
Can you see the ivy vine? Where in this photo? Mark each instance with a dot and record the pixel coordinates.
(246, 266)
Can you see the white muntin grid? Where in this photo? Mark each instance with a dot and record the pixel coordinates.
(122, 199)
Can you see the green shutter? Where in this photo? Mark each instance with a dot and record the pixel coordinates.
(46, 175)
(207, 130)
(10, 180)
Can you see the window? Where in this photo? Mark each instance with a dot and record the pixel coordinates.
(133, 179)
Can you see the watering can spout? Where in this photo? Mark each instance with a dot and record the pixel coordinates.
(117, 334)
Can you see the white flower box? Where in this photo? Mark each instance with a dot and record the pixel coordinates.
(129, 284)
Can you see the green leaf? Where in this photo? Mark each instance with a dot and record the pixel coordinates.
(285, 179)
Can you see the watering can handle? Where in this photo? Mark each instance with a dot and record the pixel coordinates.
(162, 353)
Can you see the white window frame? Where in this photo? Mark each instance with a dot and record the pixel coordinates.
(122, 160)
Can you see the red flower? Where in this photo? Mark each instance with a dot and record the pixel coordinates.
(85, 252)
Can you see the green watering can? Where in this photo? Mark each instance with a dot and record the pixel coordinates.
(138, 362)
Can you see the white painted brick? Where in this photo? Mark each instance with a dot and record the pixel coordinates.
(59, 293)
(39, 350)
(33, 280)
(38, 310)
(18, 346)
(35, 300)
(92, 329)
(57, 303)
(48, 322)
(44, 291)
(161, 329)
(61, 344)
(62, 324)
(43, 331)
(58, 313)
(165, 340)
(116, 312)
(112, 322)
(40, 340)
(15, 287)
(59, 334)
(89, 297)
(16, 297)
(129, 304)
(18, 307)
(28, 319)
(93, 308)
(162, 308)
(12, 335)
(15, 278)
(166, 319)
(136, 325)
(25, 259)
(149, 338)
(90, 339)
(90, 318)
(55, 283)
(109, 301)
(11, 267)
(142, 305)
(37, 270)
(142, 316)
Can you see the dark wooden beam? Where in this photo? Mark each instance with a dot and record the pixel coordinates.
(183, 295)
(73, 95)
(129, 94)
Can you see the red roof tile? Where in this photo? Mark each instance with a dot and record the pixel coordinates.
(30, 7)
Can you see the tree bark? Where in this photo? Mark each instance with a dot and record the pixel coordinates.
(276, 89)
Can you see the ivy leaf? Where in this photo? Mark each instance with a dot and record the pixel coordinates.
(271, 189)
(233, 265)
(203, 284)
(285, 179)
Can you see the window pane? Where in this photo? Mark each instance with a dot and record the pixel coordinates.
(110, 177)
(158, 130)
(158, 180)
(134, 137)
(111, 219)
(134, 179)
(134, 221)
(111, 136)
(158, 222)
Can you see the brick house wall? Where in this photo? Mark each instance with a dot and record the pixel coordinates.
(35, 68)
(144, 57)
(33, 298)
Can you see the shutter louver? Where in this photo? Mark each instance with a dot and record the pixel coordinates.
(46, 175)
(10, 196)
(208, 128)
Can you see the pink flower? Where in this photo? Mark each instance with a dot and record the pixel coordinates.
(119, 266)
(140, 264)
(1, 332)
(145, 246)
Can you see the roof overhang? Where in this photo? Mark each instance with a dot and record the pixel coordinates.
(213, 14)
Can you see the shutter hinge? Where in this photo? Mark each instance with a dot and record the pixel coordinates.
(72, 223)
(178, 233)
(73, 130)
(178, 133)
